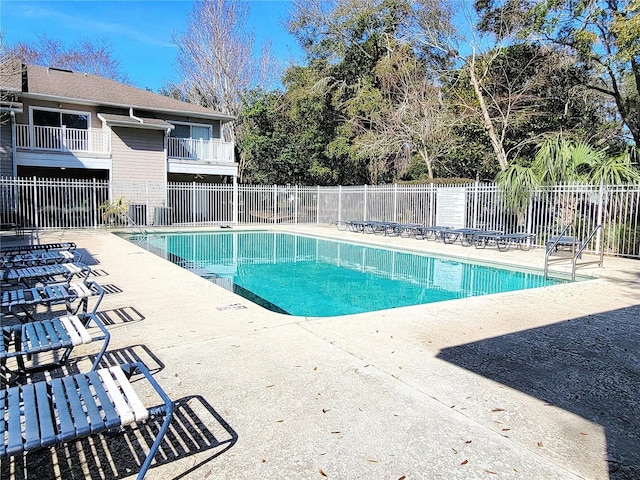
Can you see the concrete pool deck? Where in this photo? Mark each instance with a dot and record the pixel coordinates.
(542, 383)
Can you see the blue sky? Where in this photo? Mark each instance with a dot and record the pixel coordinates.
(139, 32)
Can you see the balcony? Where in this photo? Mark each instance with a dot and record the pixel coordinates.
(193, 149)
(62, 139)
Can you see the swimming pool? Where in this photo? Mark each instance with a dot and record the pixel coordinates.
(308, 276)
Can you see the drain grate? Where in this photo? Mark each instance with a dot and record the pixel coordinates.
(233, 306)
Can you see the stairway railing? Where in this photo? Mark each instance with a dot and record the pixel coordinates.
(577, 248)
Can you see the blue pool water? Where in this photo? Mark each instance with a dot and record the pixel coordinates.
(307, 276)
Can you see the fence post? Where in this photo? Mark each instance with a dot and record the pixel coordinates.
(431, 204)
(94, 202)
(275, 203)
(193, 203)
(395, 202)
(475, 203)
(296, 196)
(530, 214)
(318, 205)
(35, 203)
(364, 207)
(600, 211)
(235, 201)
(339, 203)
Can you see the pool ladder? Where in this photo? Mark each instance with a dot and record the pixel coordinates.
(577, 248)
(135, 225)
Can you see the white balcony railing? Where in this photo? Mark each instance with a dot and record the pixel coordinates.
(65, 139)
(62, 139)
(200, 150)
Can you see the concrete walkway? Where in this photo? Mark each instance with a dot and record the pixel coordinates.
(541, 384)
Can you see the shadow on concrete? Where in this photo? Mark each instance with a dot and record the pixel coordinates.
(196, 428)
(589, 366)
(110, 288)
(98, 272)
(82, 363)
(87, 258)
(120, 315)
(133, 354)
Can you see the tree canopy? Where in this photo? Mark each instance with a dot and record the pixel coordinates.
(388, 92)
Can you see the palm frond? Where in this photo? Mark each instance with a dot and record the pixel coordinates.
(516, 182)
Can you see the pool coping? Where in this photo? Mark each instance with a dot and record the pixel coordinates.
(260, 300)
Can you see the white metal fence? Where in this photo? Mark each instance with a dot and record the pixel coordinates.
(55, 204)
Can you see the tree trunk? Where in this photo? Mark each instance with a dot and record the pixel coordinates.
(498, 148)
(427, 161)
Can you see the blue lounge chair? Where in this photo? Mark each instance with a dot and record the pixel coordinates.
(52, 257)
(403, 229)
(42, 247)
(433, 232)
(22, 303)
(28, 343)
(467, 236)
(356, 226)
(378, 227)
(503, 241)
(62, 410)
(30, 276)
(562, 242)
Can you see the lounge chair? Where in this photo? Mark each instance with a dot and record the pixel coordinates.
(22, 303)
(467, 236)
(356, 226)
(433, 232)
(46, 344)
(403, 229)
(52, 257)
(378, 227)
(42, 247)
(63, 410)
(503, 241)
(30, 276)
(562, 242)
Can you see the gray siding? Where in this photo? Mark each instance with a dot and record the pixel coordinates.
(139, 160)
(6, 150)
(138, 154)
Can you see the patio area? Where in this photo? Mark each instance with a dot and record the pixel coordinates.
(541, 383)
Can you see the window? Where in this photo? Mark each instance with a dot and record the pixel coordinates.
(200, 132)
(203, 133)
(73, 120)
(47, 131)
(191, 142)
(181, 131)
(45, 118)
(52, 118)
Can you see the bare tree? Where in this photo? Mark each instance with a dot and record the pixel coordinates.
(87, 56)
(10, 78)
(504, 88)
(437, 32)
(216, 58)
(413, 119)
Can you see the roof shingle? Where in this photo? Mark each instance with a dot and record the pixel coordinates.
(89, 89)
